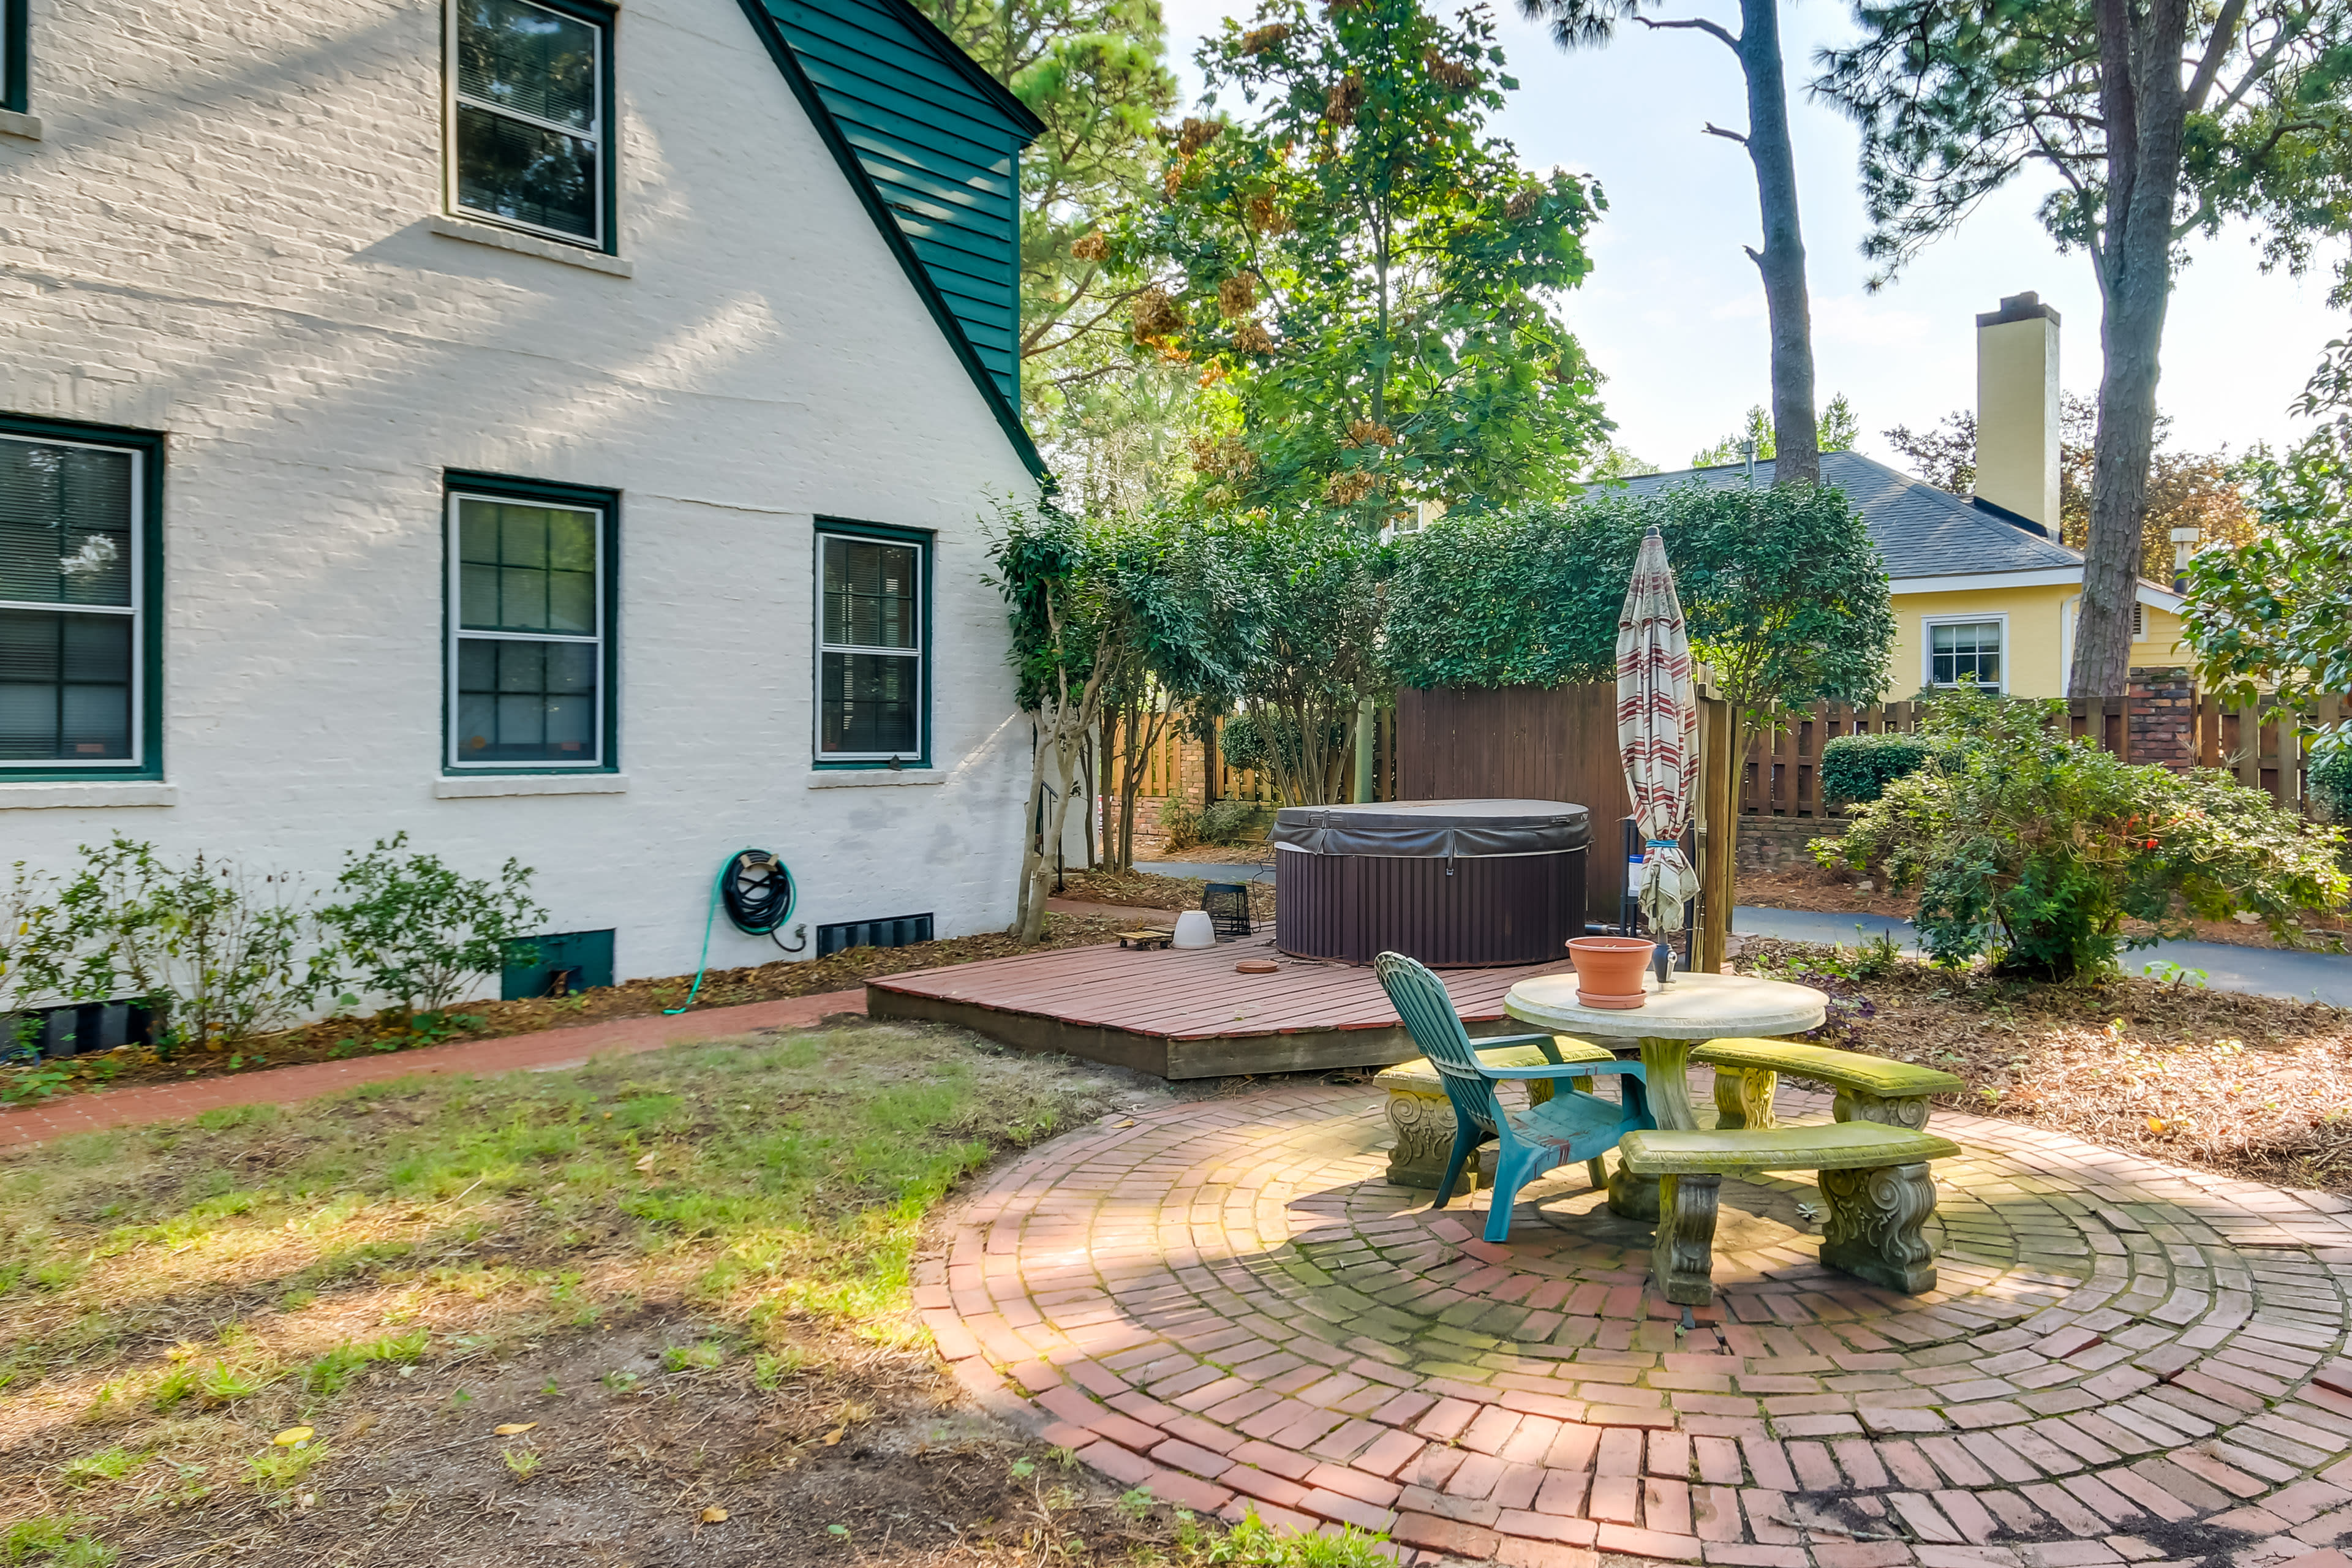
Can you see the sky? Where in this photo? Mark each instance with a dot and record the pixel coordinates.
(1674, 311)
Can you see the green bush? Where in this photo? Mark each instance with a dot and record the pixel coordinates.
(2331, 778)
(420, 932)
(2034, 849)
(1220, 822)
(1858, 768)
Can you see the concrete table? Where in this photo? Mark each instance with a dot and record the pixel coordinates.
(1677, 1018)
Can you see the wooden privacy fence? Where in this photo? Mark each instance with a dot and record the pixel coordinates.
(1175, 764)
(1782, 776)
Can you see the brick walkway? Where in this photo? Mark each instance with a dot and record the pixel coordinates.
(284, 1085)
(1222, 1302)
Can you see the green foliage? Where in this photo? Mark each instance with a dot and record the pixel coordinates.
(1837, 430)
(2331, 780)
(1219, 822)
(1781, 587)
(417, 931)
(57, 1542)
(1254, 1544)
(1858, 768)
(2276, 615)
(2035, 849)
(215, 950)
(1362, 274)
(1318, 596)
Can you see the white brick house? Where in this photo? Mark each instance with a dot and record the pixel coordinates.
(438, 415)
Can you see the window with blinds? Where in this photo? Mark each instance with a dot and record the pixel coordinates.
(529, 654)
(530, 96)
(71, 612)
(872, 683)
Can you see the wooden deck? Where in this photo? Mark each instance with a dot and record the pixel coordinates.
(1187, 1014)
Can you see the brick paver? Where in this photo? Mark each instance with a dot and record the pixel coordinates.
(1223, 1301)
(285, 1085)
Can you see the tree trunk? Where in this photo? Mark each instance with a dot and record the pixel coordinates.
(1797, 457)
(2144, 104)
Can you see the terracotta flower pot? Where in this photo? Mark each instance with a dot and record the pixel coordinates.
(1609, 969)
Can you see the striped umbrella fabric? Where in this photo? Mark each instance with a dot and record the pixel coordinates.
(1657, 732)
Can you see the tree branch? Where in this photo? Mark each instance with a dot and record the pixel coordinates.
(1713, 30)
(1712, 129)
(2217, 48)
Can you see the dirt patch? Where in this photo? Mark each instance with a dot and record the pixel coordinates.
(2248, 1086)
(343, 1036)
(1257, 852)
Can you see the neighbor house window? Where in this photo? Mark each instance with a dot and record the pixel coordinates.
(530, 658)
(873, 678)
(1961, 650)
(529, 116)
(79, 566)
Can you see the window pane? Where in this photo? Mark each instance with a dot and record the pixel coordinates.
(65, 686)
(526, 568)
(869, 594)
(1965, 650)
(65, 523)
(871, 704)
(511, 170)
(527, 701)
(534, 61)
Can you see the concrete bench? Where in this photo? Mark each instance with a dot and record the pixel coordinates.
(1423, 1117)
(1869, 1089)
(1875, 1178)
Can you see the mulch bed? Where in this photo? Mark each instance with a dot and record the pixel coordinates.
(332, 1039)
(2253, 1087)
(1150, 891)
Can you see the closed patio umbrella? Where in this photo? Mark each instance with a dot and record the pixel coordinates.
(1657, 734)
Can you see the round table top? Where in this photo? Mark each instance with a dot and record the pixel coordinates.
(1696, 1007)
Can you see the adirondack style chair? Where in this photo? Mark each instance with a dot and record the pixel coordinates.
(1565, 1130)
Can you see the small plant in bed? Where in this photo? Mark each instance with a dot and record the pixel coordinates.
(2034, 849)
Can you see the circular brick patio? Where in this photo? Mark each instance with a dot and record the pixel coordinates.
(1225, 1302)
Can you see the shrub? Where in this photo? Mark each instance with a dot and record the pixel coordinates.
(1228, 821)
(2035, 849)
(420, 932)
(2331, 778)
(1857, 768)
(1180, 824)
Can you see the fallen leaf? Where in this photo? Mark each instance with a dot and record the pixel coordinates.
(511, 1427)
(648, 1163)
(293, 1436)
(835, 1435)
(2155, 1125)
(714, 1516)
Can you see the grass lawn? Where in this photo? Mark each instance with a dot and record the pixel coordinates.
(641, 1310)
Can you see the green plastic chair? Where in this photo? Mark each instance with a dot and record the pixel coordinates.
(1567, 1129)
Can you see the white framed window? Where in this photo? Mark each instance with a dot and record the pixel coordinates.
(530, 110)
(873, 695)
(530, 662)
(1963, 647)
(79, 643)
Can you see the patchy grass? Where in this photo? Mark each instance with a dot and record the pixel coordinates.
(2249, 1086)
(462, 1319)
(332, 1039)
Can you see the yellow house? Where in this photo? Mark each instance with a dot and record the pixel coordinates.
(1980, 586)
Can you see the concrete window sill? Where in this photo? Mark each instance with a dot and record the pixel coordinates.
(875, 778)
(55, 795)
(529, 245)
(27, 126)
(530, 783)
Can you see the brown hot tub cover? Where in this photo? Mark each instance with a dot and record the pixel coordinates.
(1434, 829)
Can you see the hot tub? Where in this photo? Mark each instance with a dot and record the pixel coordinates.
(1454, 883)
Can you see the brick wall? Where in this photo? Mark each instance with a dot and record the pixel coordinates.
(2163, 718)
(226, 233)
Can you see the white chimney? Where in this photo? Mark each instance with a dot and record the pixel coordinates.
(2017, 409)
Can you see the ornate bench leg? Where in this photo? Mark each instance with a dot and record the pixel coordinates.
(1873, 1231)
(1632, 1196)
(1856, 1105)
(1682, 1259)
(1422, 1122)
(1743, 1098)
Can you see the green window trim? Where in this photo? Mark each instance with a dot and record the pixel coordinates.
(467, 115)
(600, 644)
(16, 86)
(826, 651)
(145, 530)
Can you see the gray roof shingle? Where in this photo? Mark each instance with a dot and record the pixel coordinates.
(1921, 531)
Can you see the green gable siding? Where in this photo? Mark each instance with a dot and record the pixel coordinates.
(941, 149)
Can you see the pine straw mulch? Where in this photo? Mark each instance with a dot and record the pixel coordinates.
(1257, 852)
(343, 1036)
(1150, 891)
(1822, 891)
(2253, 1087)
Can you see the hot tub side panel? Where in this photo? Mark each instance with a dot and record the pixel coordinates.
(1498, 910)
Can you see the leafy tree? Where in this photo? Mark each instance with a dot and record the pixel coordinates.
(2276, 612)
(2035, 848)
(1614, 462)
(1094, 606)
(1781, 262)
(2157, 121)
(2203, 490)
(1317, 658)
(1836, 430)
(1362, 276)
